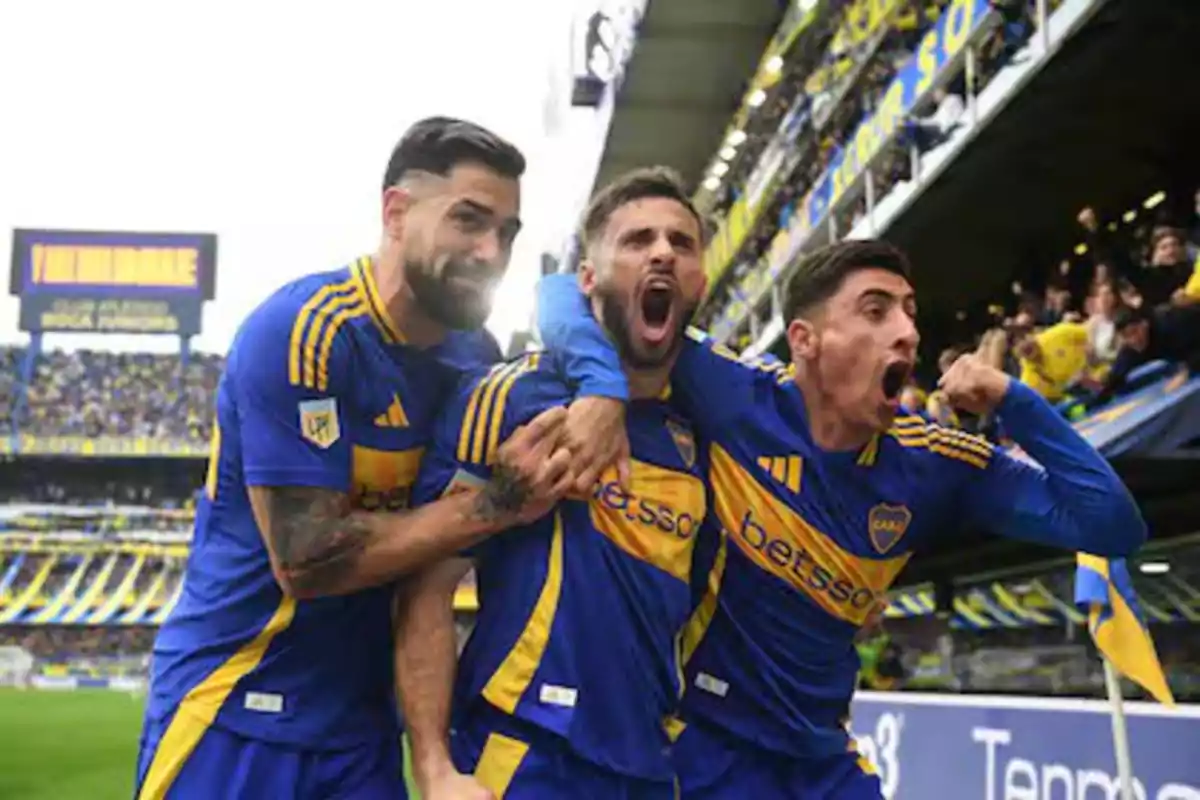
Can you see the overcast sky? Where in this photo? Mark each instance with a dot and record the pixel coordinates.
(260, 120)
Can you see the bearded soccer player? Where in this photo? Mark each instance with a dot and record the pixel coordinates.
(272, 678)
(572, 668)
(823, 489)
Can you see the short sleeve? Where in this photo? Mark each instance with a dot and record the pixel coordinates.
(483, 412)
(289, 372)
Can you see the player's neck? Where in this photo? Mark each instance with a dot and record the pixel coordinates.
(647, 384)
(829, 428)
(417, 328)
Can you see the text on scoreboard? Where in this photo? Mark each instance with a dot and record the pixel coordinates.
(89, 281)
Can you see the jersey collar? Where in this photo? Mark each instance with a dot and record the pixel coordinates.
(364, 279)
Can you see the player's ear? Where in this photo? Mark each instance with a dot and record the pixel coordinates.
(587, 276)
(802, 340)
(397, 202)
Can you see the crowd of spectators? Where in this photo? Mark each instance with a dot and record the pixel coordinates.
(62, 642)
(833, 96)
(1130, 295)
(91, 393)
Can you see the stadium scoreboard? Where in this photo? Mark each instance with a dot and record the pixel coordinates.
(112, 282)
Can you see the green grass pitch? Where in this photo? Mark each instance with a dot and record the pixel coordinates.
(77, 745)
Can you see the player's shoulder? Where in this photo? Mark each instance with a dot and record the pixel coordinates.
(301, 323)
(298, 302)
(529, 381)
(942, 446)
(765, 367)
(490, 403)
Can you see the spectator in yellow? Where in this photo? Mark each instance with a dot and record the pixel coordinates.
(1190, 293)
(1053, 359)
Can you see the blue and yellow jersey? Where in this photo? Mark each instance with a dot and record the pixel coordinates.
(580, 613)
(320, 390)
(813, 539)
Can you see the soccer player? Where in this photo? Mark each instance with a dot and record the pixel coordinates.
(272, 678)
(823, 490)
(565, 683)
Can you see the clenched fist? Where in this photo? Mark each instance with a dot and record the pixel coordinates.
(532, 470)
(974, 386)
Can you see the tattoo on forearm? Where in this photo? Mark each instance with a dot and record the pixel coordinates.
(316, 541)
(503, 494)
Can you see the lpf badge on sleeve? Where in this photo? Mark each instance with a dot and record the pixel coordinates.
(319, 422)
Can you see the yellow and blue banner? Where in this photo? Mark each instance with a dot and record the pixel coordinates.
(937, 52)
(112, 281)
(1118, 627)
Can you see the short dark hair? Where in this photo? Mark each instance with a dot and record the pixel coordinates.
(821, 273)
(439, 144)
(1127, 316)
(636, 184)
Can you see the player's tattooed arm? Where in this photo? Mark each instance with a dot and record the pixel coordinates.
(314, 537)
(320, 545)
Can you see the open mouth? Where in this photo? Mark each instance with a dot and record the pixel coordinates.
(658, 310)
(895, 376)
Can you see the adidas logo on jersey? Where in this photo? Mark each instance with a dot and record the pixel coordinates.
(394, 417)
(785, 469)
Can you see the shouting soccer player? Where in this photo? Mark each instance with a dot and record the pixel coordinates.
(571, 670)
(272, 678)
(823, 488)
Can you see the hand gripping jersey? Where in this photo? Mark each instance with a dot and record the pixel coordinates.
(580, 612)
(815, 538)
(319, 390)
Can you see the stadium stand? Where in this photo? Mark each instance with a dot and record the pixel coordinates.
(95, 514)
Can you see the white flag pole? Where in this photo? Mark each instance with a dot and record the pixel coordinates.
(1120, 734)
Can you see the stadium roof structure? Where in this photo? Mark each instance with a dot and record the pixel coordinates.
(688, 70)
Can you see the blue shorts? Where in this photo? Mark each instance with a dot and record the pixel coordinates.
(518, 761)
(229, 766)
(712, 766)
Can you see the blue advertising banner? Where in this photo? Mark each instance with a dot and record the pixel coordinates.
(1151, 421)
(938, 48)
(964, 747)
(92, 281)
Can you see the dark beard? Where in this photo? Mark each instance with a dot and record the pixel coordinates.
(614, 317)
(440, 302)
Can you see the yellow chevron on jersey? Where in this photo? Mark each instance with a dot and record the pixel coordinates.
(779, 541)
(656, 520)
(916, 432)
(479, 436)
(784, 469)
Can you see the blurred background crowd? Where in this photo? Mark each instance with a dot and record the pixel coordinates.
(93, 393)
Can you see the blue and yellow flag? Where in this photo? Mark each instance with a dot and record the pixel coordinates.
(1117, 625)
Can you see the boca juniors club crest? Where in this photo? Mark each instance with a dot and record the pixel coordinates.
(887, 524)
(684, 442)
